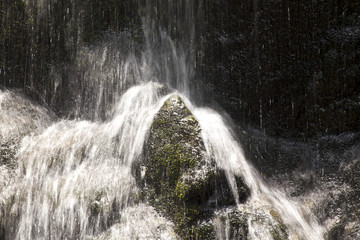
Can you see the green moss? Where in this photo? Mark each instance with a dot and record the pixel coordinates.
(168, 163)
(181, 190)
(170, 157)
(178, 180)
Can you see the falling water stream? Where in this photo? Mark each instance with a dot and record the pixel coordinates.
(229, 155)
(73, 178)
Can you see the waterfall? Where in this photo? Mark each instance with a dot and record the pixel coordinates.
(229, 156)
(73, 177)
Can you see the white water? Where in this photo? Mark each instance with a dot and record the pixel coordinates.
(18, 116)
(140, 222)
(228, 154)
(74, 181)
(75, 178)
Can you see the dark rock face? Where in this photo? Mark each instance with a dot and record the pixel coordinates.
(291, 68)
(343, 205)
(176, 176)
(324, 170)
(282, 64)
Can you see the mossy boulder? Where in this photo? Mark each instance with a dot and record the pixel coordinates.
(177, 177)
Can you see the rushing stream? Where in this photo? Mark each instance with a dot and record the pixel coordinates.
(73, 177)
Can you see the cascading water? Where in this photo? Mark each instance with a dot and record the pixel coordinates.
(74, 169)
(229, 156)
(74, 179)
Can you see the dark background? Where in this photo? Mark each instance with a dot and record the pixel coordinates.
(287, 67)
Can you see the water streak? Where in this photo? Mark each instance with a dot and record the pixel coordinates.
(75, 177)
(220, 143)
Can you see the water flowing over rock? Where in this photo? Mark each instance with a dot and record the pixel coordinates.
(179, 119)
(74, 179)
(82, 179)
(19, 116)
(177, 176)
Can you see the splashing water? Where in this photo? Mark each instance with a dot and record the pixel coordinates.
(19, 117)
(229, 155)
(74, 179)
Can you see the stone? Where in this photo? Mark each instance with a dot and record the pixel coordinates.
(177, 178)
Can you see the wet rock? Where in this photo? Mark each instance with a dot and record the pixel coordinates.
(177, 177)
(7, 153)
(339, 207)
(19, 117)
(351, 175)
(230, 223)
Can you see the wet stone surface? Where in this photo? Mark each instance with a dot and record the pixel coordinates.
(177, 178)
